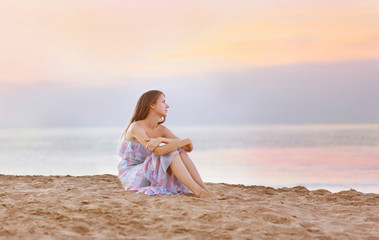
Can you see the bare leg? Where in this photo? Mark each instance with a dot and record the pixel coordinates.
(180, 171)
(195, 174)
(192, 169)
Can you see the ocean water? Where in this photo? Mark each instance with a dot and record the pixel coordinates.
(333, 157)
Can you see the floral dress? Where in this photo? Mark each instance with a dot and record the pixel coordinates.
(144, 171)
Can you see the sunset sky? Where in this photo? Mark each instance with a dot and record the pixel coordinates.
(85, 63)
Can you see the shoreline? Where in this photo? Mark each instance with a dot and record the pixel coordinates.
(330, 188)
(97, 207)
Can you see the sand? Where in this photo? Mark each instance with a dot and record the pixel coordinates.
(97, 207)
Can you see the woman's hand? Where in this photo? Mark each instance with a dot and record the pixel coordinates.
(187, 145)
(188, 148)
(153, 143)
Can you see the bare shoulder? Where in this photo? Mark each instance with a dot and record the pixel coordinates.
(167, 132)
(136, 126)
(163, 128)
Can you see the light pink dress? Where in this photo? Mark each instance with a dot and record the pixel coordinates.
(144, 171)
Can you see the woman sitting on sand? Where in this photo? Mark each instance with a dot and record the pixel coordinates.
(153, 159)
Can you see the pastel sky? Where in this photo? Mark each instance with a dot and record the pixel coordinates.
(108, 52)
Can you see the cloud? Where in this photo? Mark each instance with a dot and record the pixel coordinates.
(102, 41)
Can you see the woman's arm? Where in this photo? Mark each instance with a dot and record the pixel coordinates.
(172, 146)
(153, 143)
(168, 140)
(170, 135)
(139, 133)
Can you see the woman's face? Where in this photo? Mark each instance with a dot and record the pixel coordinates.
(161, 106)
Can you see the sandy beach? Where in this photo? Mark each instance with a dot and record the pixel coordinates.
(97, 207)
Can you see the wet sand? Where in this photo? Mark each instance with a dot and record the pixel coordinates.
(97, 207)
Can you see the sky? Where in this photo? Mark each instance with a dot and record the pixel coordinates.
(84, 63)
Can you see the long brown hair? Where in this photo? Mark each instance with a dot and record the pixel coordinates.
(143, 106)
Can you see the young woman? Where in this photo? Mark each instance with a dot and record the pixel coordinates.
(153, 159)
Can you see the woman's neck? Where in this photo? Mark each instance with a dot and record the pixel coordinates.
(152, 121)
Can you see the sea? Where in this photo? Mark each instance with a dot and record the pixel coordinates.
(334, 157)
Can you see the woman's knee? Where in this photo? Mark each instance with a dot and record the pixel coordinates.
(183, 153)
(178, 157)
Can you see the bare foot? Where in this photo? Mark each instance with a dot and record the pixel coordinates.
(207, 195)
(211, 192)
(210, 195)
(221, 197)
(218, 196)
